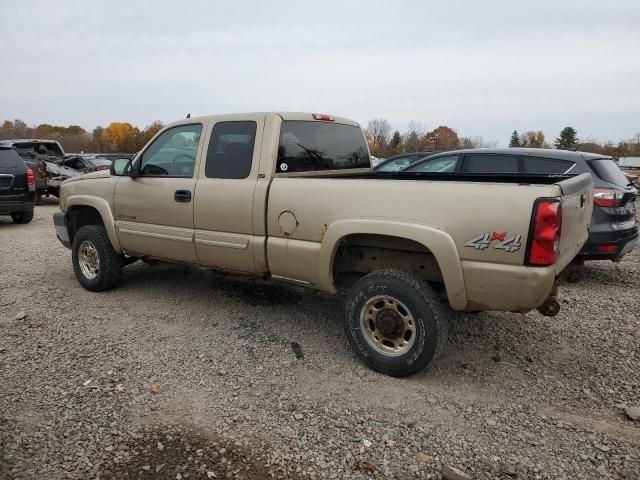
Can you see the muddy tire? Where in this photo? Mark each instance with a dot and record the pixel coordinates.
(395, 323)
(22, 217)
(96, 264)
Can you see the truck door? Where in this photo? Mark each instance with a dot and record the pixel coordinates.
(229, 223)
(154, 211)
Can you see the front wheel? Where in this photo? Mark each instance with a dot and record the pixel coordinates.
(96, 264)
(395, 323)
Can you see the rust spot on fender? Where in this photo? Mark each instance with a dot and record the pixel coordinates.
(323, 231)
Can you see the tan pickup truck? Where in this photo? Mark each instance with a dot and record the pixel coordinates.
(291, 197)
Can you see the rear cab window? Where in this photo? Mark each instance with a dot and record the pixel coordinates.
(9, 159)
(607, 170)
(307, 146)
(491, 163)
(30, 149)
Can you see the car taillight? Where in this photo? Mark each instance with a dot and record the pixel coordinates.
(322, 116)
(607, 197)
(544, 241)
(30, 178)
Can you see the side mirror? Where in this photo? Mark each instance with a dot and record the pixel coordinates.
(120, 167)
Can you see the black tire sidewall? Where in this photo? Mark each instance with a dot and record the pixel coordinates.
(425, 346)
(97, 236)
(22, 217)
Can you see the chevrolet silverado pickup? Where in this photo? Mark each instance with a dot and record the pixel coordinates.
(291, 197)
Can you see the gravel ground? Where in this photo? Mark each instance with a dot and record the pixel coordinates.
(182, 373)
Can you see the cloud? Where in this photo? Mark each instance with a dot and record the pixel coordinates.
(484, 68)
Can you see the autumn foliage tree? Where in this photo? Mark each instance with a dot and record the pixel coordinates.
(441, 138)
(533, 139)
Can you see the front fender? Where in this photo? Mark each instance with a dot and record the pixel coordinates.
(103, 208)
(438, 242)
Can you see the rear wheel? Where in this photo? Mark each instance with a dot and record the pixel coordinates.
(395, 323)
(22, 217)
(96, 264)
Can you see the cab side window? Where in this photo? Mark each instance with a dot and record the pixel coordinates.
(230, 150)
(173, 153)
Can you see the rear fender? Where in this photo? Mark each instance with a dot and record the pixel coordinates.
(438, 242)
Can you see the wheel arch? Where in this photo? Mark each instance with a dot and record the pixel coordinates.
(409, 238)
(84, 210)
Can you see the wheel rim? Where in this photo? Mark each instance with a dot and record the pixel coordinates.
(388, 326)
(88, 260)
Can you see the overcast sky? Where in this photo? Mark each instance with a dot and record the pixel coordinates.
(481, 67)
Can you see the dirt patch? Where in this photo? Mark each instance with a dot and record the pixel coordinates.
(170, 452)
(257, 294)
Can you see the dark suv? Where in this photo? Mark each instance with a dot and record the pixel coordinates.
(17, 186)
(614, 227)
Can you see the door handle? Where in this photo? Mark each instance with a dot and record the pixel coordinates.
(182, 196)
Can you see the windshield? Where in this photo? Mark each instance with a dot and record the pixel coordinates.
(29, 149)
(607, 170)
(394, 165)
(440, 164)
(315, 146)
(98, 162)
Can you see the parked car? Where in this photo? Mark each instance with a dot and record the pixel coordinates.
(86, 164)
(17, 186)
(399, 162)
(291, 197)
(44, 158)
(614, 227)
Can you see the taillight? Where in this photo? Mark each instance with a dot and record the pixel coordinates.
(606, 248)
(544, 241)
(322, 116)
(607, 197)
(30, 178)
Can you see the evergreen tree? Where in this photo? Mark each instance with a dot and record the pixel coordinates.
(395, 140)
(567, 140)
(515, 139)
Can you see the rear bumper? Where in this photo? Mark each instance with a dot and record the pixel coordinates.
(624, 241)
(511, 288)
(60, 222)
(17, 203)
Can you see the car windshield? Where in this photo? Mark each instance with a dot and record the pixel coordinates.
(440, 164)
(394, 165)
(607, 170)
(99, 162)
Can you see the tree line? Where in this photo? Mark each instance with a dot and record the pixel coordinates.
(117, 137)
(383, 143)
(123, 137)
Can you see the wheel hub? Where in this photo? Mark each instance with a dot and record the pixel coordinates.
(387, 325)
(88, 260)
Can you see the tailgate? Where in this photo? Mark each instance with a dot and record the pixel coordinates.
(577, 205)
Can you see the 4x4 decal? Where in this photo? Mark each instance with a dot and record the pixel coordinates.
(507, 242)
